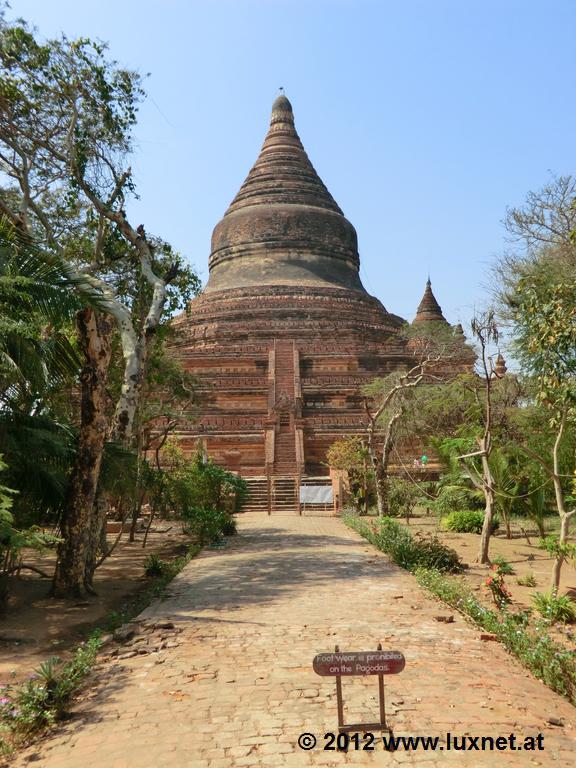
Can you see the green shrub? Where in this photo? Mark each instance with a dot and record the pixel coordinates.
(466, 521)
(503, 566)
(434, 554)
(206, 525)
(198, 483)
(229, 527)
(555, 607)
(452, 497)
(44, 697)
(403, 496)
(155, 566)
(527, 581)
(407, 551)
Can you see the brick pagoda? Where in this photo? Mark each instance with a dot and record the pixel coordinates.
(284, 335)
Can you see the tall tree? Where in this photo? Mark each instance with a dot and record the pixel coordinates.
(485, 330)
(538, 297)
(66, 119)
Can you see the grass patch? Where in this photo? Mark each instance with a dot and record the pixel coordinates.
(526, 581)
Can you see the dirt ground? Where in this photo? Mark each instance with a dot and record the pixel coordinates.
(34, 627)
(525, 558)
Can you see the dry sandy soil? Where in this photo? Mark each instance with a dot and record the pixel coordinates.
(524, 557)
(34, 627)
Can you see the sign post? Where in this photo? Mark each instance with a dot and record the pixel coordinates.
(377, 662)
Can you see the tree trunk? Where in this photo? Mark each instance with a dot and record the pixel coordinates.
(381, 490)
(560, 506)
(556, 570)
(97, 542)
(488, 488)
(94, 334)
(134, 351)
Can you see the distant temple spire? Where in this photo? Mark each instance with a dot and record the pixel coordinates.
(429, 311)
(500, 367)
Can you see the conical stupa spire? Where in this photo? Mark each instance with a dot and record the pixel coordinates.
(283, 174)
(284, 227)
(500, 367)
(429, 311)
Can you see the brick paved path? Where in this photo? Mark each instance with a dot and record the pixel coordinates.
(239, 688)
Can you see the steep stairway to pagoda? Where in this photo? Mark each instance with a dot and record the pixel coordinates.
(285, 438)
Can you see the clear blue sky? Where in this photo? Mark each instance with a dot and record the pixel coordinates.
(425, 119)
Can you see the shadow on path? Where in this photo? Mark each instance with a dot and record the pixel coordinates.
(261, 565)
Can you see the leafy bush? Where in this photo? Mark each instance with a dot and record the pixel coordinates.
(407, 551)
(44, 697)
(466, 521)
(207, 525)
(432, 553)
(503, 566)
(555, 607)
(199, 484)
(14, 540)
(403, 496)
(155, 566)
(454, 494)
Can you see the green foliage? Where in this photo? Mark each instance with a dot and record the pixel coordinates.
(555, 608)
(406, 550)
(203, 494)
(509, 479)
(546, 335)
(206, 525)
(535, 508)
(34, 291)
(503, 566)
(455, 490)
(403, 496)
(199, 482)
(14, 540)
(565, 550)
(526, 581)
(465, 521)
(452, 498)
(44, 697)
(155, 566)
(552, 663)
(350, 454)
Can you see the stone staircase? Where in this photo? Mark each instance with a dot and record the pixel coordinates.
(285, 438)
(284, 389)
(258, 498)
(284, 499)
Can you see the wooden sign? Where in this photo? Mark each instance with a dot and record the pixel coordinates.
(359, 663)
(376, 662)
